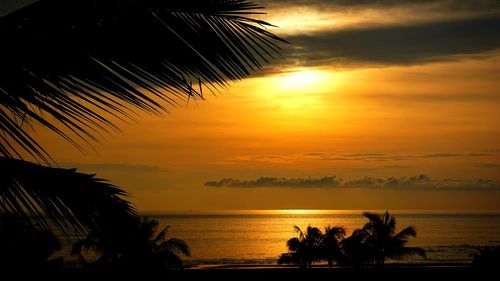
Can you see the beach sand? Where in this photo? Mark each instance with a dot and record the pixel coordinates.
(259, 272)
(321, 273)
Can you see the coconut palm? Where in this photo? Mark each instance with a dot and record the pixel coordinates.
(168, 252)
(76, 67)
(331, 244)
(139, 246)
(383, 241)
(304, 249)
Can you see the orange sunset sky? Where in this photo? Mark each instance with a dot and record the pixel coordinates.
(394, 105)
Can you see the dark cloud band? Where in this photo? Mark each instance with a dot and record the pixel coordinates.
(449, 4)
(394, 45)
(421, 182)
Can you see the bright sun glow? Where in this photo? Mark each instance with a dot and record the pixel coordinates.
(297, 91)
(305, 80)
(307, 212)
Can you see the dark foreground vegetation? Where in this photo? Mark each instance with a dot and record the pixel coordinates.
(368, 246)
(97, 62)
(139, 247)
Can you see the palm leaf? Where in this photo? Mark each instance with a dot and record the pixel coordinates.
(405, 233)
(299, 232)
(175, 246)
(294, 244)
(336, 232)
(75, 67)
(161, 236)
(63, 198)
(373, 218)
(147, 228)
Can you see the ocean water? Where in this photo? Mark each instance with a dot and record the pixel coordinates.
(258, 237)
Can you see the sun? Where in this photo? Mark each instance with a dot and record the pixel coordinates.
(296, 91)
(306, 92)
(304, 80)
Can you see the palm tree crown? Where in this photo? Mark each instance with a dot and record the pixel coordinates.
(382, 240)
(138, 246)
(304, 249)
(164, 252)
(372, 244)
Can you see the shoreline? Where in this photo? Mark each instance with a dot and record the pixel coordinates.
(323, 266)
(278, 272)
(323, 273)
(272, 272)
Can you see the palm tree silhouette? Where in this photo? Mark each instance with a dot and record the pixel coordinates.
(304, 249)
(136, 247)
(166, 252)
(382, 240)
(331, 244)
(73, 67)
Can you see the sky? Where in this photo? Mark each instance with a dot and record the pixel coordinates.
(374, 105)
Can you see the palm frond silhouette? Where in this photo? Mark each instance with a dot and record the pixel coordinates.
(304, 249)
(63, 198)
(73, 67)
(383, 241)
(70, 66)
(134, 246)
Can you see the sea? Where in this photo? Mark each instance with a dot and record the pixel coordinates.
(258, 237)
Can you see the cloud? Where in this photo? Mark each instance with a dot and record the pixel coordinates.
(467, 5)
(393, 45)
(376, 157)
(448, 155)
(433, 98)
(397, 167)
(492, 150)
(421, 182)
(487, 165)
(379, 168)
(277, 182)
(116, 167)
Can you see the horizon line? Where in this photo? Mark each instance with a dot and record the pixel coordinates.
(319, 211)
